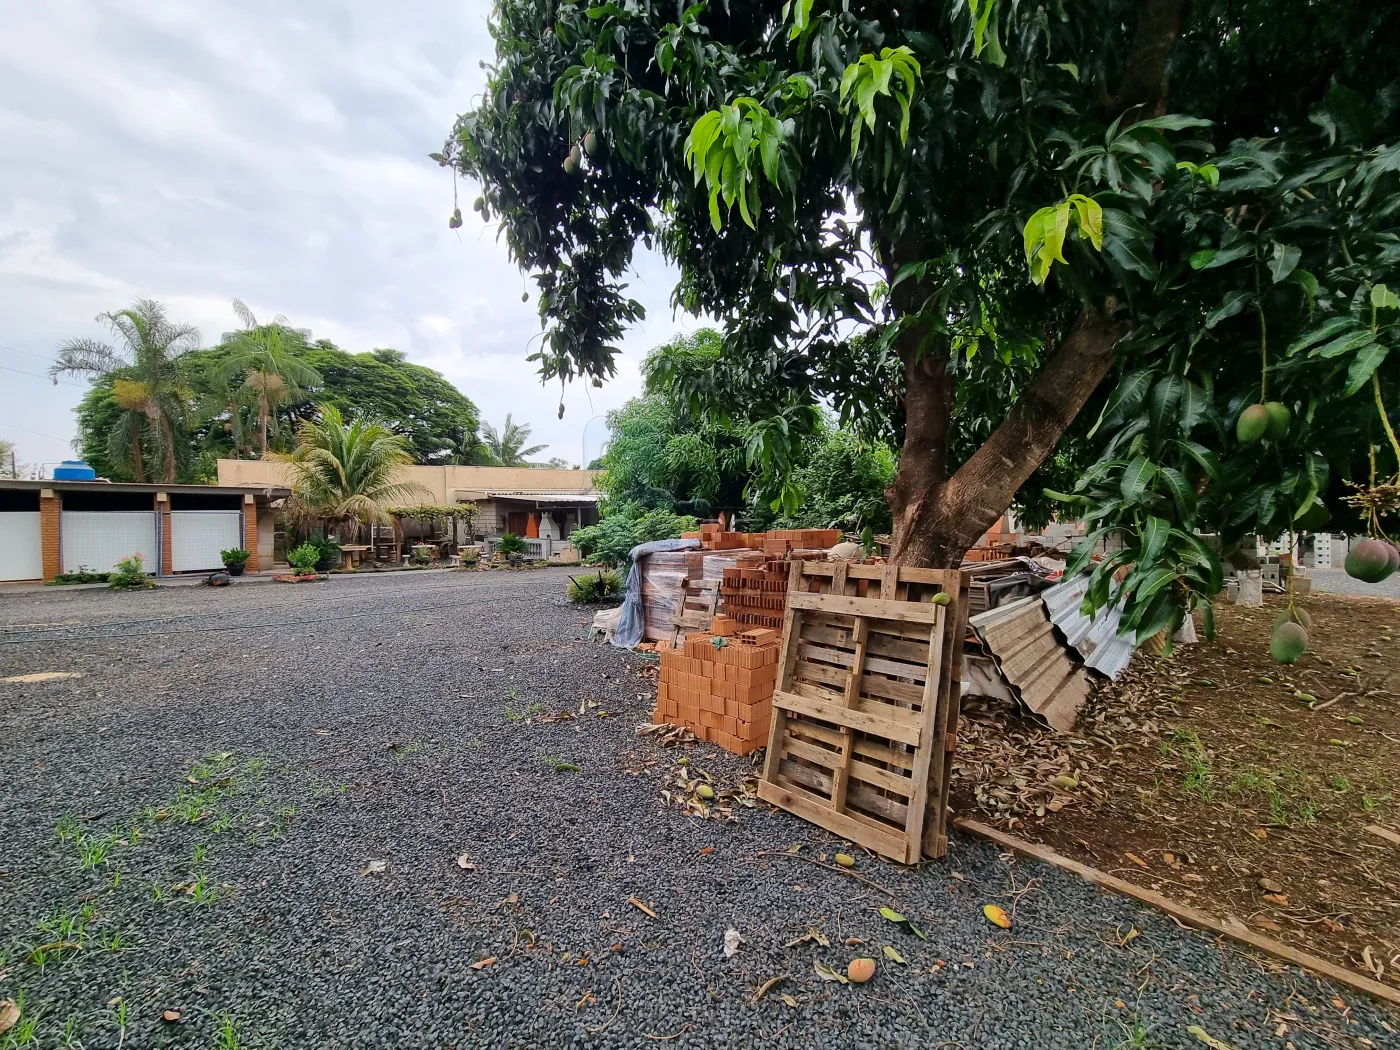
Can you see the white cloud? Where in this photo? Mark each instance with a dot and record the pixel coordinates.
(196, 152)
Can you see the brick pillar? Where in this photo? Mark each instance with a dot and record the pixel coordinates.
(167, 557)
(50, 538)
(250, 531)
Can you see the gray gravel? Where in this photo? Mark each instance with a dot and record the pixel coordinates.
(1336, 581)
(313, 729)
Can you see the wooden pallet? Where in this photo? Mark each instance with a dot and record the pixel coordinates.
(696, 603)
(864, 720)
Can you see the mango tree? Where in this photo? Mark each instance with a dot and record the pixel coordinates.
(985, 229)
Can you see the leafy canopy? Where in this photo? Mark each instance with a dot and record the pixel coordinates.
(959, 190)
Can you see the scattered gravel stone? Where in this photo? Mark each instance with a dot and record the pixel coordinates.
(249, 811)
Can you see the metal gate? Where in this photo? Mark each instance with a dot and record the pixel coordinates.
(197, 538)
(96, 540)
(21, 549)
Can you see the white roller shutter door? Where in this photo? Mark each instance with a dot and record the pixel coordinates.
(97, 539)
(21, 548)
(198, 537)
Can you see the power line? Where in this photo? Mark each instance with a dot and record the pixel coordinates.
(40, 375)
(13, 426)
(26, 353)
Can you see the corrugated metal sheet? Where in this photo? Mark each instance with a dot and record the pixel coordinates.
(1037, 666)
(1097, 641)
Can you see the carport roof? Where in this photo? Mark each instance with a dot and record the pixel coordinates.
(33, 485)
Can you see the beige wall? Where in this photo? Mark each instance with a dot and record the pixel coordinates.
(444, 484)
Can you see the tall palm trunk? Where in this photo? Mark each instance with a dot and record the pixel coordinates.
(167, 436)
(138, 458)
(262, 421)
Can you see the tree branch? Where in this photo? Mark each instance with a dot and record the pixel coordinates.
(985, 485)
(1144, 83)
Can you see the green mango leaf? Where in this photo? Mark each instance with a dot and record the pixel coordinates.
(1285, 259)
(1327, 330)
(1344, 345)
(1154, 540)
(1363, 365)
(1382, 298)
(1137, 476)
(1233, 303)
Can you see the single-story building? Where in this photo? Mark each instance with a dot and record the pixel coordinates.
(543, 504)
(53, 527)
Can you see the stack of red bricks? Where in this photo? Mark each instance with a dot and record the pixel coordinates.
(755, 595)
(720, 685)
(778, 541)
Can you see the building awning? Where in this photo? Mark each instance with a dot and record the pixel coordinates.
(537, 498)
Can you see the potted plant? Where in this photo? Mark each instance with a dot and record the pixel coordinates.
(330, 555)
(512, 546)
(422, 554)
(235, 559)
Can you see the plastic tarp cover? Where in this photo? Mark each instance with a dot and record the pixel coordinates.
(631, 624)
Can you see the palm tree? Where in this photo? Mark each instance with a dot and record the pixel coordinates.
(264, 355)
(148, 381)
(507, 448)
(344, 473)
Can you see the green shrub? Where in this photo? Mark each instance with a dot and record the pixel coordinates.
(83, 575)
(510, 543)
(234, 556)
(595, 588)
(422, 553)
(304, 558)
(608, 542)
(129, 574)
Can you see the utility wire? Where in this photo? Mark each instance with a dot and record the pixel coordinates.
(36, 433)
(40, 375)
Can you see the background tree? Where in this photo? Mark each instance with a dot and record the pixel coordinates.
(506, 448)
(959, 218)
(439, 422)
(148, 376)
(263, 357)
(348, 474)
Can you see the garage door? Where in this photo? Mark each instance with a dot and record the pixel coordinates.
(98, 539)
(21, 552)
(197, 537)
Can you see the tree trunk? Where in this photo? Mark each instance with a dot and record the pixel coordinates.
(262, 422)
(138, 457)
(937, 518)
(168, 439)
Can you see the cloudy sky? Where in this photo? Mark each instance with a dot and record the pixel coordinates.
(274, 151)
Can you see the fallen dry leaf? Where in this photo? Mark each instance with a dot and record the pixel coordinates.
(996, 916)
(766, 987)
(812, 934)
(1269, 886)
(1136, 859)
(1210, 1040)
(826, 973)
(789, 1000)
(481, 964)
(638, 904)
(40, 676)
(375, 867)
(9, 1015)
(1277, 898)
(465, 863)
(892, 954)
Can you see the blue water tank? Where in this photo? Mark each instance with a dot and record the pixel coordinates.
(74, 470)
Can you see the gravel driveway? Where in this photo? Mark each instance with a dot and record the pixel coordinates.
(248, 811)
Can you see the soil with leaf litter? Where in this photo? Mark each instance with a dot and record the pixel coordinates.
(1242, 787)
(414, 811)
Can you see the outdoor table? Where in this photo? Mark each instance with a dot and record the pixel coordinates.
(350, 556)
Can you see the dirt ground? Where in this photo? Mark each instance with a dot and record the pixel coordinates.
(1226, 781)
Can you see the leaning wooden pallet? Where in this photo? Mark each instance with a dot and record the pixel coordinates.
(863, 719)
